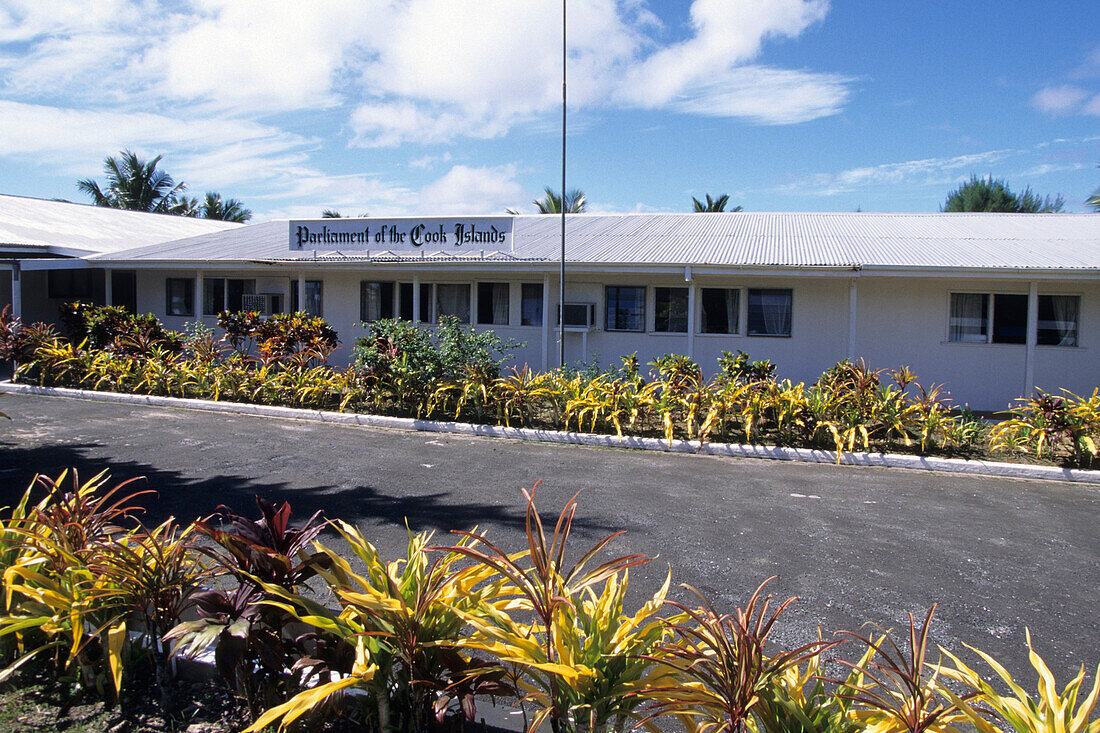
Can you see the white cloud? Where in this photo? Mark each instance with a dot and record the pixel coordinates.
(465, 190)
(1017, 165)
(73, 136)
(266, 54)
(427, 162)
(1059, 100)
(918, 172)
(767, 96)
(726, 34)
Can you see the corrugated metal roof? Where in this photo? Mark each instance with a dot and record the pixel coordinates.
(60, 227)
(937, 241)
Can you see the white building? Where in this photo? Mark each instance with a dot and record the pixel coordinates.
(35, 228)
(992, 305)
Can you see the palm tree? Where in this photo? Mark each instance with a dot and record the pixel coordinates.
(331, 214)
(138, 186)
(1093, 201)
(575, 202)
(215, 207)
(713, 205)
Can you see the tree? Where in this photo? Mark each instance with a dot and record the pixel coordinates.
(331, 214)
(713, 205)
(989, 194)
(575, 202)
(215, 207)
(138, 186)
(1093, 201)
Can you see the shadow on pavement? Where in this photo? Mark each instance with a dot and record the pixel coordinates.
(187, 498)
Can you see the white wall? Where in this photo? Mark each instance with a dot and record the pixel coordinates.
(900, 321)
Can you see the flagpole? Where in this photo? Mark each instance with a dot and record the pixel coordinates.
(561, 275)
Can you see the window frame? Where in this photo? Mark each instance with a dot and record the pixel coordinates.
(673, 292)
(70, 283)
(1077, 325)
(320, 287)
(990, 316)
(492, 286)
(739, 312)
(437, 312)
(188, 297)
(641, 317)
(383, 307)
(748, 312)
(523, 300)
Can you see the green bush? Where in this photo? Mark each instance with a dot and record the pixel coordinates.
(115, 329)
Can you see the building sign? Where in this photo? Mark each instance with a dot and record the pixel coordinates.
(403, 235)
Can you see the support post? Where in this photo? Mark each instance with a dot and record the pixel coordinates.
(301, 292)
(546, 323)
(108, 290)
(691, 312)
(16, 291)
(852, 319)
(1032, 337)
(416, 299)
(198, 296)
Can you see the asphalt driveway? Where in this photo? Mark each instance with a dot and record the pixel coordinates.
(856, 544)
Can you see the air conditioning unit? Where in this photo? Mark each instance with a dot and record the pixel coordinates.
(265, 304)
(579, 316)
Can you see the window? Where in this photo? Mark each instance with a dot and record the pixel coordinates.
(531, 305)
(425, 303)
(625, 308)
(492, 304)
(405, 304)
(124, 289)
(769, 312)
(220, 294)
(1009, 319)
(720, 312)
(972, 313)
(315, 303)
(234, 290)
(670, 310)
(1058, 316)
(179, 296)
(375, 300)
(213, 296)
(969, 320)
(453, 300)
(69, 284)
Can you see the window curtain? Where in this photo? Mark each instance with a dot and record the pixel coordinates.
(500, 304)
(1064, 326)
(372, 301)
(776, 308)
(968, 318)
(731, 311)
(453, 300)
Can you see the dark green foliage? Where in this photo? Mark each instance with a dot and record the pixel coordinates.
(214, 206)
(414, 360)
(739, 368)
(137, 185)
(253, 649)
(993, 195)
(117, 330)
(285, 336)
(575, 202)
(713, 205)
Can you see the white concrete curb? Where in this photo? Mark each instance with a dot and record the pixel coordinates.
(733, 450)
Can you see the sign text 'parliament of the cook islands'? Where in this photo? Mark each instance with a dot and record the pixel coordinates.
(402, 235)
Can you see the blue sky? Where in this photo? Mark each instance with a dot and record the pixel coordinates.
(453, 106)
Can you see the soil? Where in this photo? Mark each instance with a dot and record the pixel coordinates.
(33, 701)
